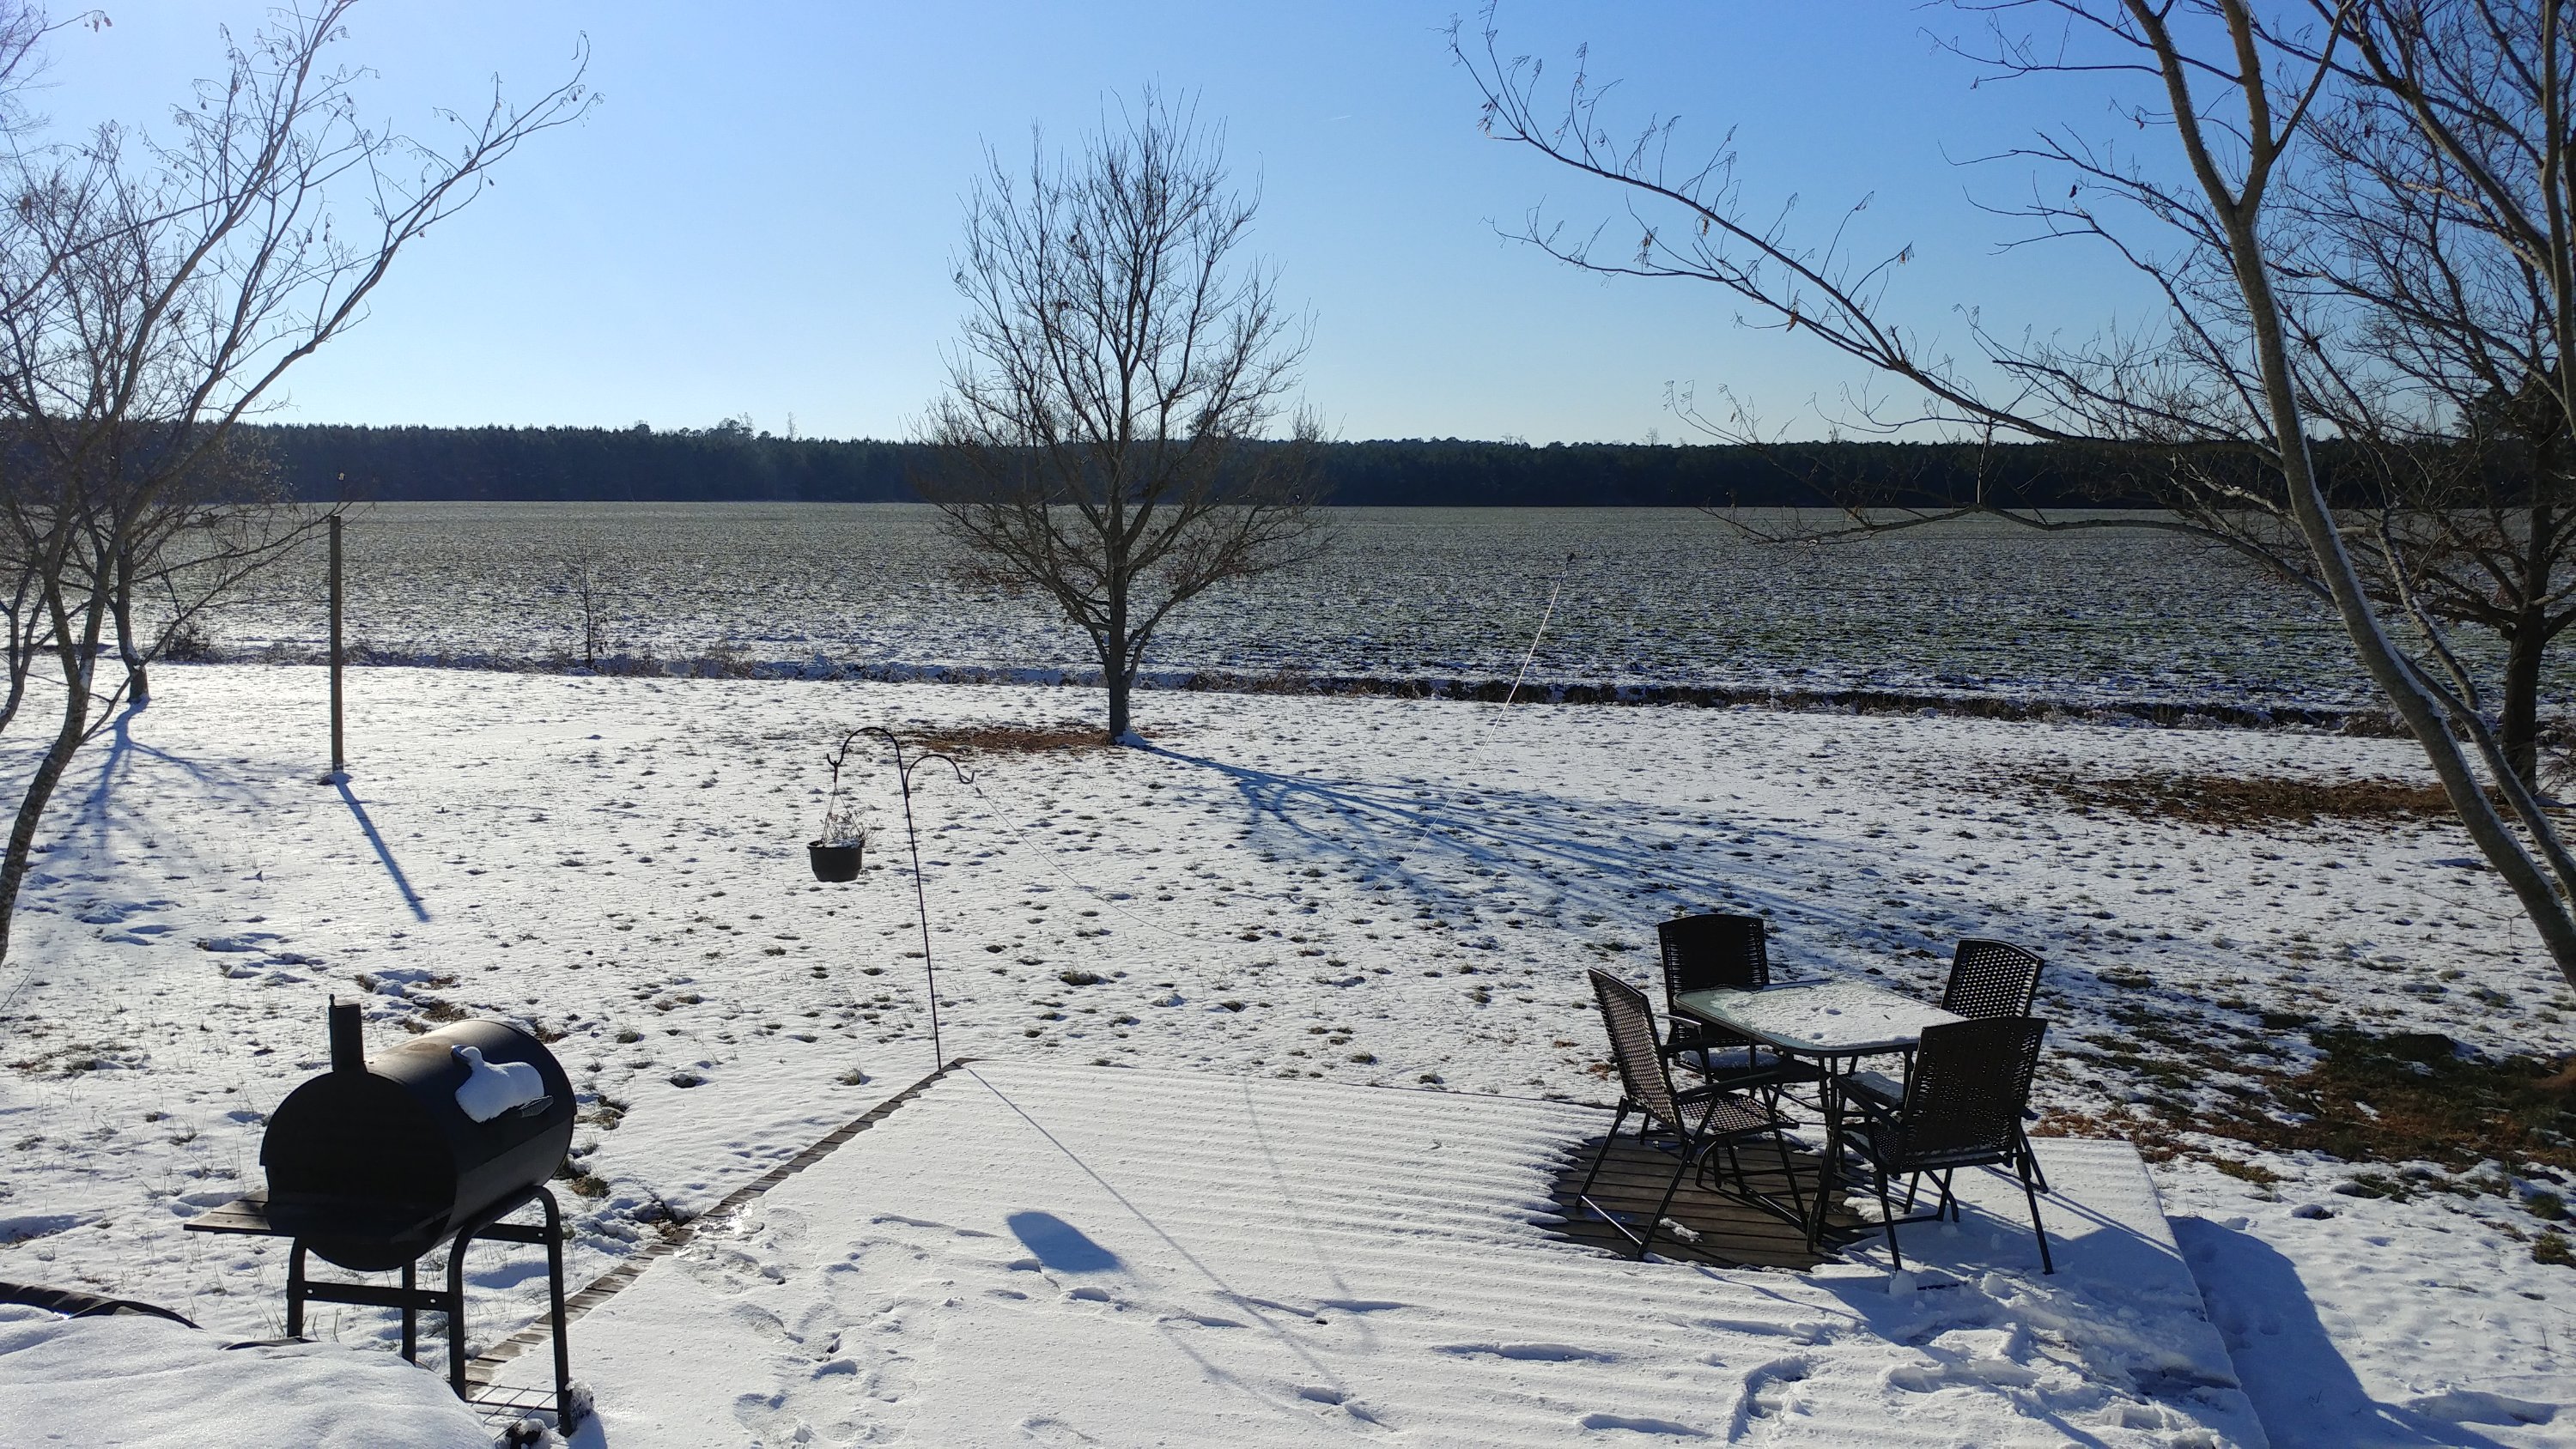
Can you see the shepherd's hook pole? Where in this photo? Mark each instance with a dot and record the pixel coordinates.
(920, 897)
(339, 755)
(1544, 615)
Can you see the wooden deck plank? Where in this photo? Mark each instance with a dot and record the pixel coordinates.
(1725, 1230)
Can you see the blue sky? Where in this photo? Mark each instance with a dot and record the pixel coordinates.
(759, 216)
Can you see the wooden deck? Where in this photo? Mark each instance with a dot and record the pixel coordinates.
(1389, 1246)
(1728, 1232)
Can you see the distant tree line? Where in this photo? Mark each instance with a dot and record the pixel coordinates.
(732, 462)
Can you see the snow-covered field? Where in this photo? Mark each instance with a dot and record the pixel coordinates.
(1351, 890)
(1403, 594)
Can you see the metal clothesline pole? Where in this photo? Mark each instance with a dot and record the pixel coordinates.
(339, 755)
(912, 836)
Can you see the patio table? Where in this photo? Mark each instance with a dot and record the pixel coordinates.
(1835, 1023)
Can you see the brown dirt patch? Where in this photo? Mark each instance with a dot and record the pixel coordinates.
(2239, 802)
(1013, 739)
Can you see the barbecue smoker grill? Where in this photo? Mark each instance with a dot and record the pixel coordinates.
(373, 1162)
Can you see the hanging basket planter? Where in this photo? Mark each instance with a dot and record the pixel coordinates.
(835, 851)
(834, 862)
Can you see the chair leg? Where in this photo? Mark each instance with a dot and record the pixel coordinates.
(1604, 1154)
(2031, 1157)
(1949, 1199)
(1887, 1221)
(2039, 1231)
(1670, 1188)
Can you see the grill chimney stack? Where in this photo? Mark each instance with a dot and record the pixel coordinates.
(348, 1047)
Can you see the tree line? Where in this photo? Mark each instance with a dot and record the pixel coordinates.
(732, 462)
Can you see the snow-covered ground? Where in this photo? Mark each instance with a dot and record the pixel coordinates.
(1029, 1252)
(138, 1382)
(1350, 890)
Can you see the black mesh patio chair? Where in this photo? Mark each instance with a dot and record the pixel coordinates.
(1988, 979)
(1701, 953)
(1693, 1125)
(1962, 1108)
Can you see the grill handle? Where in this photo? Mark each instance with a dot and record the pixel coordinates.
(348, 1047)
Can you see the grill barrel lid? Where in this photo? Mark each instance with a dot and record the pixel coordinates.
(373, 1161)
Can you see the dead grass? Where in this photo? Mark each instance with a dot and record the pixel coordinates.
(1013, 739)
(2371, 1101)
(2228, 802)
(2408, 1098)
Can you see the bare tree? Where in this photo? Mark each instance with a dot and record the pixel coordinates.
(2431, 261)
(153, 292)
(2414, 277)
(1104, 436)
(2225, 394)
(586, 586)
(211, 528)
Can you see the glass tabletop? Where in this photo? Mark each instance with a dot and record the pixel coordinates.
(1823, 1018)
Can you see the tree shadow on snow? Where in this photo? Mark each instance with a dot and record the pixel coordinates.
(1586, 854)
(93, 819)
(1835, 903)
(2305, 1393)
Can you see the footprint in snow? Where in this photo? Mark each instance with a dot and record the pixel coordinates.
(1642, 1424)
(1805, 1331)
(1529, 1352)
(1765, 1392)
(1928, 1378)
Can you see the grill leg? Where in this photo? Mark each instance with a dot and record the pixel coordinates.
(456, 1313)
(411, 1312)
(295, 1290)
(555, 1293)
